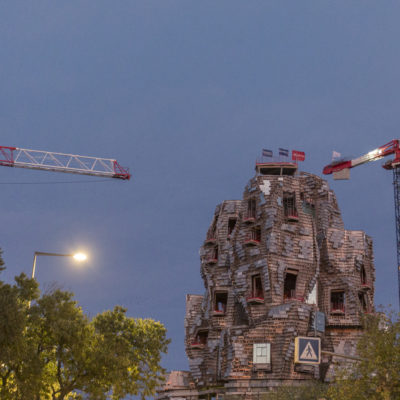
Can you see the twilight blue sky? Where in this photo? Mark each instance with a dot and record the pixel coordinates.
(185, 93)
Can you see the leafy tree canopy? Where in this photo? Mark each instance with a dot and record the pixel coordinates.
(52, 350)
(312, 390)
(377, 375)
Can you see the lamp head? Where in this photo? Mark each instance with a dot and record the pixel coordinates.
(80, 257)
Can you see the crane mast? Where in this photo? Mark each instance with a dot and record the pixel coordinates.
(60, 162)
(341, 170)
(396, 185)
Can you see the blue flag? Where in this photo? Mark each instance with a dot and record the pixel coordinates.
(284, 152)
(267, 153)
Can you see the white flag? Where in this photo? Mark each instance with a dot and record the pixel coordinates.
(335, 155)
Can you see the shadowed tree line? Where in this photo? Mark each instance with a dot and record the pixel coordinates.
(52, 350)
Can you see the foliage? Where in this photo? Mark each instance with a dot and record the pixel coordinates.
(52, 350)
(311, 390)
(377, 375)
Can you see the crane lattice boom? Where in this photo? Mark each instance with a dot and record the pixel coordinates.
(60, 162)
(340, 170)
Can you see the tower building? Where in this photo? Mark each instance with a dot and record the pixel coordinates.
(276, 265)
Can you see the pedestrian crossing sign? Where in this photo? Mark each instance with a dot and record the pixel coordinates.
(307, 350)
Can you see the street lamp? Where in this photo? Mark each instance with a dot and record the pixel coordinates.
(78, 257)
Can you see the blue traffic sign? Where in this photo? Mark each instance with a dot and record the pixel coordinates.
(307, 350)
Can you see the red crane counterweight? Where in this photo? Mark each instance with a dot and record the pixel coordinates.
(60, 162)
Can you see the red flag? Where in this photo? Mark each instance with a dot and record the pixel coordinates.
(298, 155)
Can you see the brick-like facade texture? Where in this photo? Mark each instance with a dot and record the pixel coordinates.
(314, 246)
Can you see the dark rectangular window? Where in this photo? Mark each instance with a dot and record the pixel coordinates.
(221, 300)
(256, 233)
(251, 208)
(201, 337)
(215, 253)
(363, 275)
(231, 225)
(363, 301)
(256, 287)
(289, 206)
(253, 237)
(337, 301)
(289, 289)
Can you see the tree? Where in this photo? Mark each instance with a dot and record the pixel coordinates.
(14, 343)
(377, 375)
(131, 349)
(52, 350)
(310, 390)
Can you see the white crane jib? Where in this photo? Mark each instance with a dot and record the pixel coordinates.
(60, 162)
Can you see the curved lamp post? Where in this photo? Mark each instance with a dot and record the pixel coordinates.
(78, 257)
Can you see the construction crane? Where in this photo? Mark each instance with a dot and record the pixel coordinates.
(60, 162)
(341, 170)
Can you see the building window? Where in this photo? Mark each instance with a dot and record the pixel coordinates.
(289, 206)
(201, 339)
(215, 253)
(256, 233)
(231, 225)
(261, 353)
(254, 236)
(337, 301)
(251, 209)
(363, 301)
(213, 256)
(221, 300)
(363, 276)
(256, 287)
(289, 288)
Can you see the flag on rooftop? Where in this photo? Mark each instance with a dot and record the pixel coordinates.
(298, 155)
(335, 155)
(267, 153)
(284, 152)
